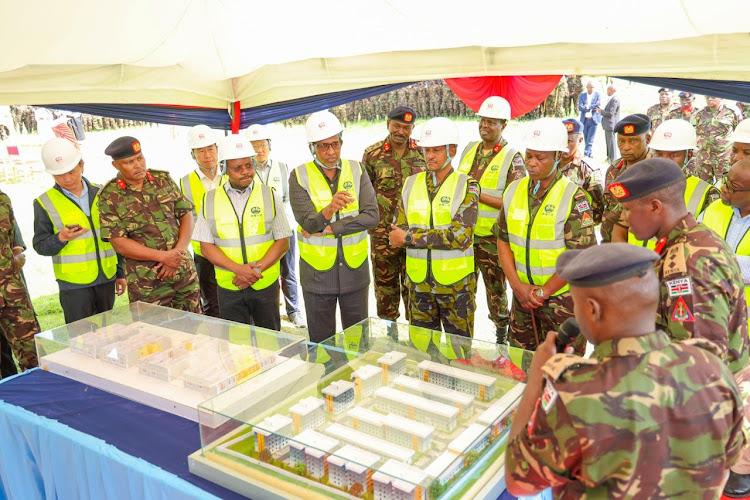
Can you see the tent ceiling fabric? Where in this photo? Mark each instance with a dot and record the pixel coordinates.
(211, 53)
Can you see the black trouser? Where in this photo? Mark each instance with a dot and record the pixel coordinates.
(253, 307)
(7, 364)
(79, 303)
(209, 289)
(321, 311)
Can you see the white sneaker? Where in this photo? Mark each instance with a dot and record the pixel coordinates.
(298, 319)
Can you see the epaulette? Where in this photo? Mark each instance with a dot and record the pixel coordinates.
(374, 147)
(113, 180)
(413, 145)
(675, 262)
(704, 344)
(560, 363)
(158, 171)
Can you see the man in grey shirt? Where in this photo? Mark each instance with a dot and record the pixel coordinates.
(610, 117)
(334, 203)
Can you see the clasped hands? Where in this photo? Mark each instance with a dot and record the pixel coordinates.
(246, 275)
(171, 261)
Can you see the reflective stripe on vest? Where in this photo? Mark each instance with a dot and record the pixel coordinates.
(543, 239)
(320, 251)
(246, 240)
(447, 266)
(78, 261)
(492, 183)
(192, 187)
(696, 191)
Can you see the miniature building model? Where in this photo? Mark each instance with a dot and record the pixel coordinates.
(496, 416)
(221, 365)
(273, 433)
(351, 465)
(417, 408)
(474, 438)
(392, 364)
(408, 433)
(399, 481)
(307, 414)
(445, 466)
(339, 396)
(476, 384)
(464, 402)
(125, 353)
(311, 449)
(366, 380)
(365, 420)
(88, 344)
(370, 443)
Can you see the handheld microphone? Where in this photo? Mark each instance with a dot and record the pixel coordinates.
(569, 331)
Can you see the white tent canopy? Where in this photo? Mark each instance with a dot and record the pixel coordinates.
(212, 53)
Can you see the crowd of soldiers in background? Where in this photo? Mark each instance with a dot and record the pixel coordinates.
(25, 121)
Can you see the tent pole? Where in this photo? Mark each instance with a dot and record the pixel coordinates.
(236, 117)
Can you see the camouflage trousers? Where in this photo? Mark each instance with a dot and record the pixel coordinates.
(711, 166)
(487, 262)
(389, 277)
(448, 308)
(180, 292)
(18, 321)
(548, 318)
(742, 466)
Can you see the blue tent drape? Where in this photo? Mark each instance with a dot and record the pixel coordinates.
(726, 89)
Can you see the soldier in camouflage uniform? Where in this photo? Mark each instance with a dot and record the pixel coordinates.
(686, 110)
(702, 292)
(574, 167)
(713, 124)
(633, 137)
(575, 88)
(438, 231)
(660, 112)
(149, 221)
(388, 164)
(541, 301)
(643, 417)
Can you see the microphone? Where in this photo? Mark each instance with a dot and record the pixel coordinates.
(569, 331)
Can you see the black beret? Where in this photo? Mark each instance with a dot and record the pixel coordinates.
(123, 147)
(663, 90)
(573, 126)
(646, 177)
(403, 114)
(633, 125)
(602, 265)
(686, 95)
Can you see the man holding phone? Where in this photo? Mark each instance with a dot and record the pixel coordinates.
(66, 228)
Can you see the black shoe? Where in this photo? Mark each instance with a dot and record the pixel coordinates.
(738, 485)
(502, 335)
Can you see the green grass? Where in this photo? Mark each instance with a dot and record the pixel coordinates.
(50, 314)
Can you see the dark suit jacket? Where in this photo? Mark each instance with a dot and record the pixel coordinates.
(595, 103)
(611, 113)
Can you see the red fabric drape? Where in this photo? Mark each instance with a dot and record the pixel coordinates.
(524, 93)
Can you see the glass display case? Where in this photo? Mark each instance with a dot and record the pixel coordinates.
(386, 411)
(163, 357)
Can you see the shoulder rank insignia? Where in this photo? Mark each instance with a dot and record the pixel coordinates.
(560, 363)
(497, 148)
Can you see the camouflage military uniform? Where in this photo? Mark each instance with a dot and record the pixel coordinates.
(430, 302)
(388, 173)
(679, 114)
(611, 209)
(714, 128)
(17, 319)
(657, 114)
(485, 247)
(702, 292)
(580, 172)
(150, 217)
(625, 423)
(579, 233)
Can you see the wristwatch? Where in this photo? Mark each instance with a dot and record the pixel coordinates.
(409, 238)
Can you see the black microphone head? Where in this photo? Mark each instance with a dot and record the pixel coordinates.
(569, 331)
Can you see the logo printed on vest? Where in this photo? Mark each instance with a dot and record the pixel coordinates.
(444, 200)
(494, 168)
(277, 179)
(255, 210)
(348, 185)
(548, 209)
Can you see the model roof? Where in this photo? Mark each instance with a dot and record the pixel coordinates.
(404, 477)
(367, 371)
(417, 401)
(337, 388)
(406, 425)
(434, 390)
(458, 373)
(274, 423)
(305, 406)
(467, 438)
(392, 357)
(368, 442)
(501, 406)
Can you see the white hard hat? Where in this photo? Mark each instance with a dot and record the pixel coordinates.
(742, 132)
(234, 147)
(322, 125)
(60, 156)
(438, 132)
(547, 134)
(257, 132)
(201, 136)
(495, 107)
(673, 135)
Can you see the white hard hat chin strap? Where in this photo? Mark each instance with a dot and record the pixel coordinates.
(539, 182)
(448, 159)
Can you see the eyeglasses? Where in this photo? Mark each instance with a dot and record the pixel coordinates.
(325, 146)
(240, 168)
(730, 188)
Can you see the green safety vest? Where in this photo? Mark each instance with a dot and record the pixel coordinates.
(717, 217)
(447, 266)
(696, 191)
(492, 183)
(246, 240)
(78, 261)
(192, 187)
(536, 244)
(320, 251)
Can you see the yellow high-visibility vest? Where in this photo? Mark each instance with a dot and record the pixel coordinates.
(78, 261)
(696, 191)
(242, 240)
(447, 266)
(541, 239)
(492, 182)
(320, 251)
(192, 187)
(274, 177)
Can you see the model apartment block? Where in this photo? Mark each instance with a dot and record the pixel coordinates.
(399, 481)
(408, 433)
(307, 414)
(352, 465)
(370, 443)
(273, 433)
(339, 396)
(476, 384)
(366, 379)
(417, 408)
(392, 365)
(311, 449)
(464, 402)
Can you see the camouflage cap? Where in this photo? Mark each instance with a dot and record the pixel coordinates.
(631, 125)
(603, 265)
(403, 114)
(123, 147)
(646, 177)
(573, 126)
